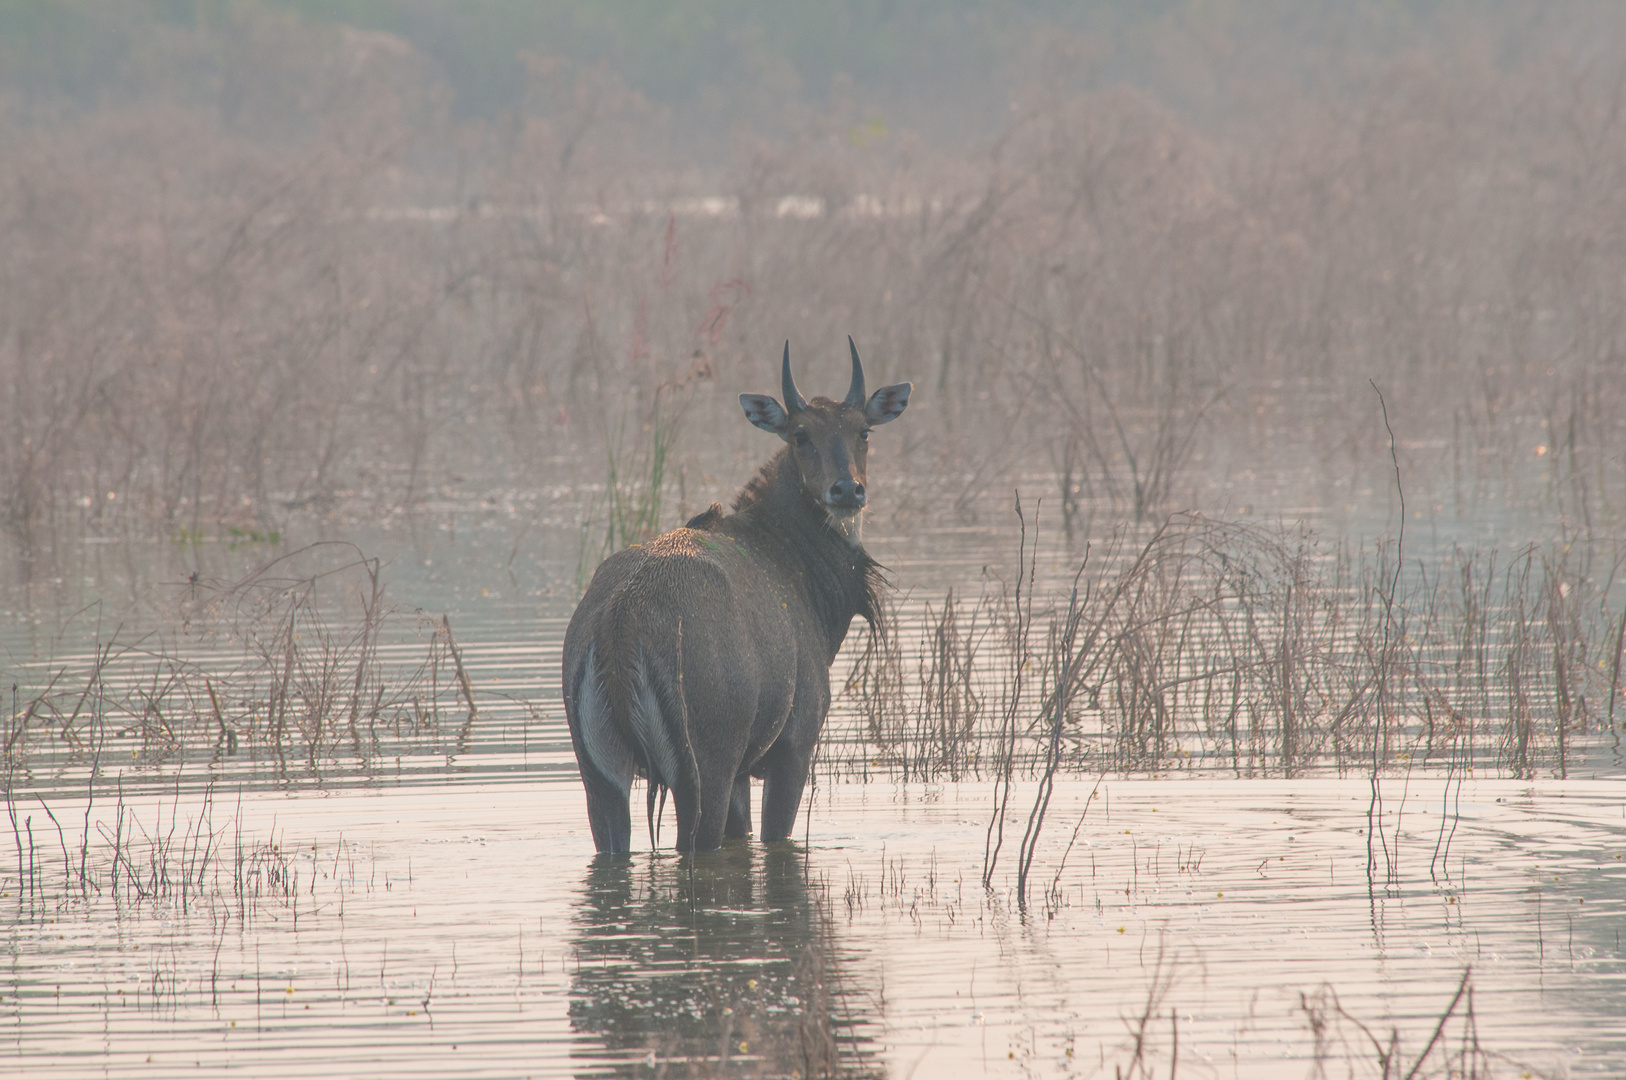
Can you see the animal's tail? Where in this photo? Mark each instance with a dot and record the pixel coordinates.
(656, 787)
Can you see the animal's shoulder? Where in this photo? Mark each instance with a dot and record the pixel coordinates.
(685, 543)
(690, 552)
(682, 560)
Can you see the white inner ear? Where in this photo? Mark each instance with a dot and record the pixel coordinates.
(887, 403)
(765, 413)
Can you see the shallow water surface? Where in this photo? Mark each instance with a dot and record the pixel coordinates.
(1213, 927)
(427, 900)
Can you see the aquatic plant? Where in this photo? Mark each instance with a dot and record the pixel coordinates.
(1215, 644)
(178, 864)
(299, 663)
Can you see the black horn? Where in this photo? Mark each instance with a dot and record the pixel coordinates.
(855, 393)
(794, 401)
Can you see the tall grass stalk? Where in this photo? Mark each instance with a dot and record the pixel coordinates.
(300, 661)
(251, 314)
(629, 507)
(1220, 645)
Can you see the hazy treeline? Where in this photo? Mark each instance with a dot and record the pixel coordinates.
(949, 68)
(263, 265)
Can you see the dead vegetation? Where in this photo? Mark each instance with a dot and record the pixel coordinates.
(298, 665)
(177, 860)
(1208, 644)
(298, 287)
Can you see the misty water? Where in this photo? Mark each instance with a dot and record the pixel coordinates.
(439, 910)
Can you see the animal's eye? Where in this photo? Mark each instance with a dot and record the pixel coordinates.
(803, 438)
(864, 435)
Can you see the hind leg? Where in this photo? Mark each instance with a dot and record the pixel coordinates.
(782, 785)
(703, 816)
(605, 761)
(608, 812)
(739, 808)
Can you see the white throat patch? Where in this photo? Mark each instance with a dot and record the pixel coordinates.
(850, 526)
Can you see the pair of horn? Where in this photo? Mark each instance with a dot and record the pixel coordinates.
(795, 402)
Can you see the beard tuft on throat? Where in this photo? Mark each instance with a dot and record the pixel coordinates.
(850, 526)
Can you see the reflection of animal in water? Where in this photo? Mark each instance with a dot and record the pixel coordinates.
(702, 658)
(690, 959)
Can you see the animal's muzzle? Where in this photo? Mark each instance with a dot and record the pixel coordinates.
(845, 494)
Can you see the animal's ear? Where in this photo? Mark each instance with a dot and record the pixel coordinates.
(887, 403)
(764, 412)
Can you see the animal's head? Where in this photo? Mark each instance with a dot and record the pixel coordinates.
(829, 440)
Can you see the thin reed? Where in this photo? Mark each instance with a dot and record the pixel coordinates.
(296, 666)
(1205, 644)
(232, 311)
(175, 858)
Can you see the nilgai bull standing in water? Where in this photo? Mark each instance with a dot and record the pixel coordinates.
(702, 657)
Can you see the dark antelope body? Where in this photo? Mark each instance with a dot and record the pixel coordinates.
(702, 657)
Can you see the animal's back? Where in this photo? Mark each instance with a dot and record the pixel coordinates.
(639, 596)
(701, 595)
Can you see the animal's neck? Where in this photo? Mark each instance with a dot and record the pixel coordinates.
(835, 573)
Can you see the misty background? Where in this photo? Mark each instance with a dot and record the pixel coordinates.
(276, 267)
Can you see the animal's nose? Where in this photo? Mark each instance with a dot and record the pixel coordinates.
(847, 493)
